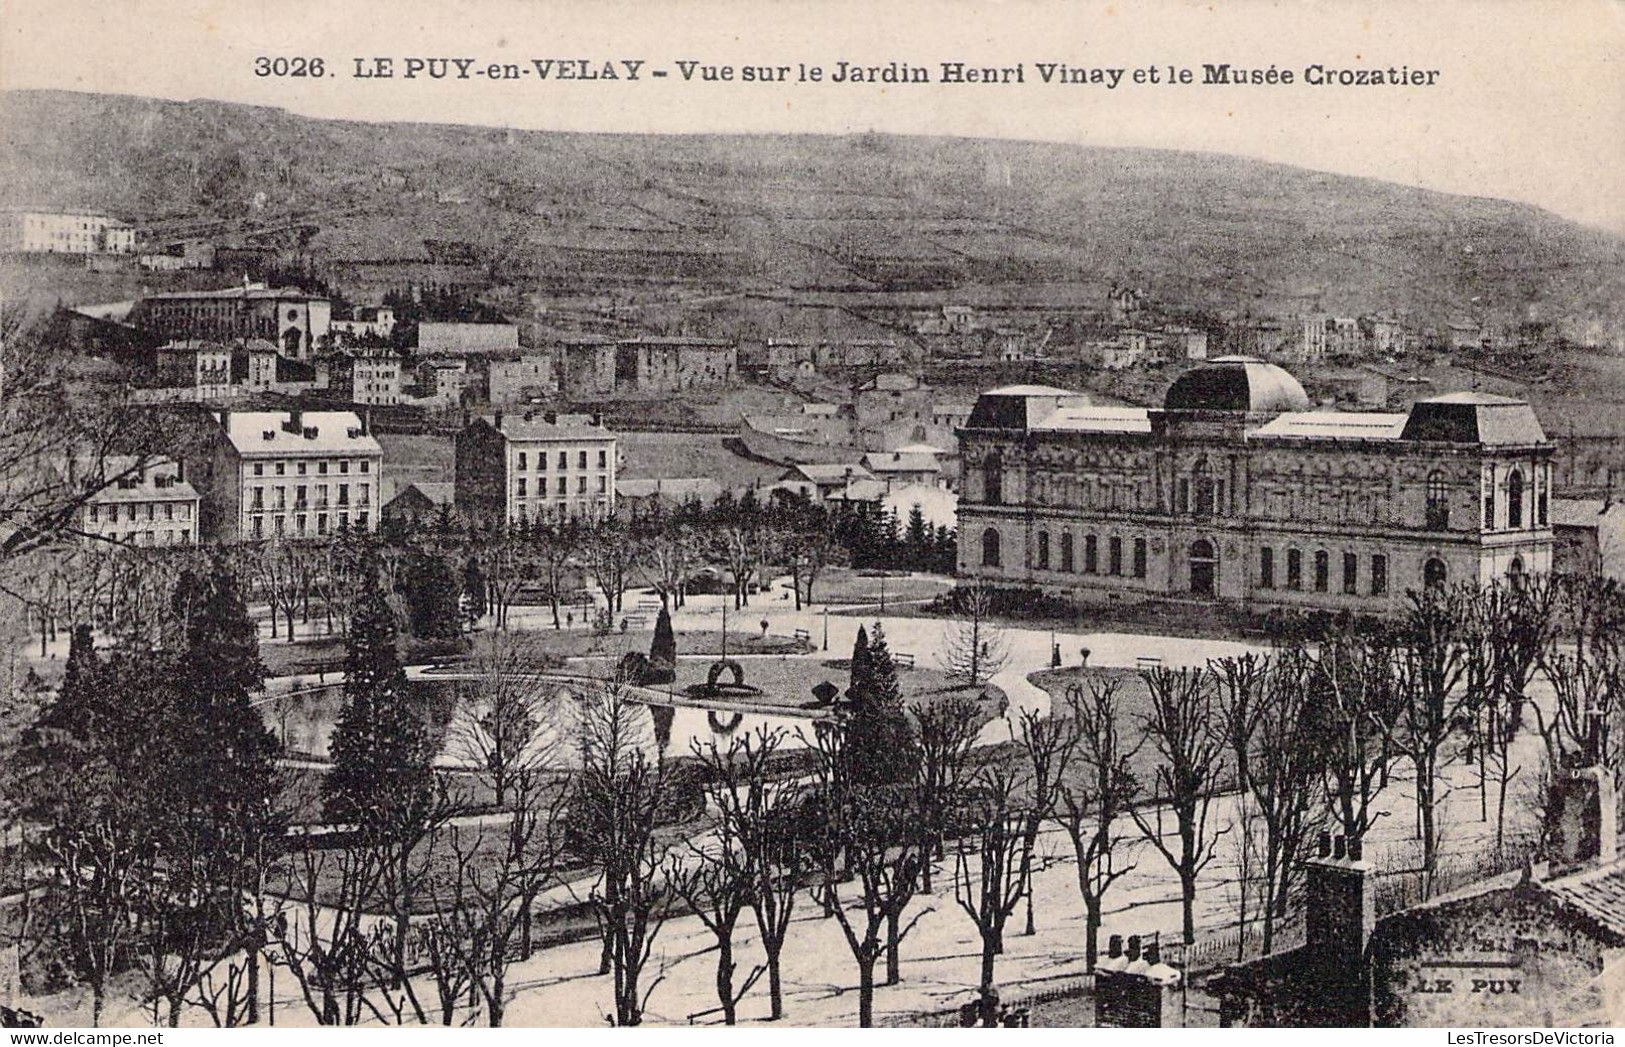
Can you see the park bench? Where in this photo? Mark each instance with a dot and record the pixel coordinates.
(903, 661)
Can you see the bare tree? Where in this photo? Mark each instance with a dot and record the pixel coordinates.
(1047, 742)
(946, 731)
(620, 794)
(974, 650)
(995, 843)
(871, 833)
(1094, 806)
(716, 884)
(1179, 727)
(1354, 701)
(1429, 669)
(757, 815)
(505, 724)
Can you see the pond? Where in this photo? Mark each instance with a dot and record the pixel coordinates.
(304, 722)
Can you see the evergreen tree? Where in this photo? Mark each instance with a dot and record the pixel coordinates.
(918, 539)
(880, 740)
(382, 775)
(858, 685)
(663, 651)
(432, 593)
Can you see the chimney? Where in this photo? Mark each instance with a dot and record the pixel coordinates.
(366, 421)
(1340, 916)
(1583, 820)
(496, 420)
(296, 422)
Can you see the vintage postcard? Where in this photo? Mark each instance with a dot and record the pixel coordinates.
(683, 514)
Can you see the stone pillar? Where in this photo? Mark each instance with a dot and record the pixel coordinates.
(1340, 916)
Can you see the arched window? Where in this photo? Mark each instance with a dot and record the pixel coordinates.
(993, 481)
(1323, 570)
(1091, 554)
(1515, 499)
(1043, 550)
(990, 547)
(1438, 504)
(1515, 575)
(1433, 573)
(1066, 551)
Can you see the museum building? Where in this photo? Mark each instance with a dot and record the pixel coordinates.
(1235, 490)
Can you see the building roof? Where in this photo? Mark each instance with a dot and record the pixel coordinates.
(433, 493)
(1237, 383)
(1598, 894)
(1097, 420)
(673, 488)
(1474, 418)
(829, 472)
(333, 432)
(245, 293)
(1331, 425)
(1020, 406)
(901, 462)
(860, 491)
(518, 427)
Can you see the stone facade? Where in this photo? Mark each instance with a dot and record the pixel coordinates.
(1235, 491)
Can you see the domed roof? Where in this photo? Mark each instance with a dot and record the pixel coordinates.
(1237, 383)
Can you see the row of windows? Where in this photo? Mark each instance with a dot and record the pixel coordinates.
(132, 512)
(563, 460)
(179, 536)
(561, 487)
(301, 496)
(302, 468)
(993, 554)
(1377, 579)
(302, 522)
(563, 509)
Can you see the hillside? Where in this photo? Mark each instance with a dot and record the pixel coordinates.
(835, 214)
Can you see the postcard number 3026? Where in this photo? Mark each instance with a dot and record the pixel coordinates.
(264, 66)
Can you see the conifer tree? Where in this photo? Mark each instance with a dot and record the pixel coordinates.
(662, 651)
(880, 741)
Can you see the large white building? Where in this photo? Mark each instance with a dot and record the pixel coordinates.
(64, 232)
(295, 321)
(140, 501)
(517, 468)
(289, 474)
(1235, 490)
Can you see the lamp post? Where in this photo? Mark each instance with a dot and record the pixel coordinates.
(826, 627)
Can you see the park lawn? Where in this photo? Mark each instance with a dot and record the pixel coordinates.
(843, 585)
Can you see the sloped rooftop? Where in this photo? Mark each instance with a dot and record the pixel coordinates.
(1331, 425)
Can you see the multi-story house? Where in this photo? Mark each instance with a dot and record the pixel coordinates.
(512, 379)
(369, 376)
(288, 474)
(586, 367)
(1234, 490)
(675, 364)
(63, 232)
(295, 321)
(203, 367)
(514, 468)
(138, 501)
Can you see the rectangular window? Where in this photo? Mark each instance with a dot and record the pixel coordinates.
(1115, 554)
(1351, 573)
(581, 460)
(1043, 550)
(259, 469)
(521, 488)
(1184, 502)
(1266, 568)
(603, 459)
(522, 461)
(564, 460)
(1066, 553)
(1489, 511)
(1294, 569)
(1091, 555)
(1139, 557)
(563, 485)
